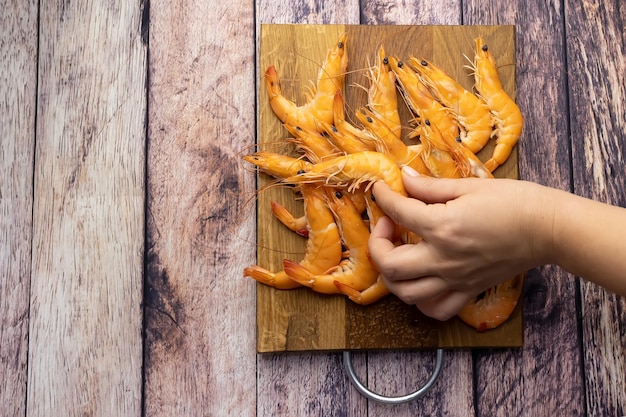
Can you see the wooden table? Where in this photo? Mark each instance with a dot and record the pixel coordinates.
(127, 215)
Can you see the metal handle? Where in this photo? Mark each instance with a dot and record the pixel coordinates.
(366, 392)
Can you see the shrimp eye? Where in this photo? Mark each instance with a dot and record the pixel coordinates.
(298, 128)
(485, 48)
(333, 128)
(369, 119)
(424, 63)
(427, 122)
(385, 60)
(338, 194)
(372, 197)
(340, 45)
(458, 139)
(300, 172)
(400, 64)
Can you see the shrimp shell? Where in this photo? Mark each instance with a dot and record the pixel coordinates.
(507, 116)
(352, 170)
(471, 113)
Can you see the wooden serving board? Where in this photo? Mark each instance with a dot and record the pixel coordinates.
(301, 320)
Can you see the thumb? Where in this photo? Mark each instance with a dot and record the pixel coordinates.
(433, 190)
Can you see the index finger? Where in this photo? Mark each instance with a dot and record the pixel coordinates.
(407, 212)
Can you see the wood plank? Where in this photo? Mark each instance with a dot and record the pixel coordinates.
(399, 372)
(597, 90)
(85, 346)
(543, 378)
(294, 384)
(18, 90)
(334, 322)
(200, 355)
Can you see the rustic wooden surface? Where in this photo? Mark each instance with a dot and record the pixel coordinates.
(127, 217)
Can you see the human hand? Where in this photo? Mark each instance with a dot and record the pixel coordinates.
(475, 234)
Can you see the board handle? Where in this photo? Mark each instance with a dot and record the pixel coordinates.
(366, 392)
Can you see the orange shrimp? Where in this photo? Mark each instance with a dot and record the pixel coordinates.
(357, 271)
(468, 164)
(436, 153)
(323, 248)
(343, 135)
(382, 95)
(507, 116)
(368, 296)
(319, 106)
(314, 144)
(353, 170)
(471, 113)
(421, 101)
(494, 306)
(278, 165)
(388, 143)
(296, 224)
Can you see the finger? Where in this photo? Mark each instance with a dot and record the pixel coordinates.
(445, 306)
(400, 263)
(380, 243)
(417, 290)
(434, 190)
(402, 210)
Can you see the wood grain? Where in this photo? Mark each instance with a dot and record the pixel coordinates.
(85, 341)
(513, 382)
(597, 91)
(18, 84)
(286, 398)
(300, 319)
(199, 353)
(403, 369)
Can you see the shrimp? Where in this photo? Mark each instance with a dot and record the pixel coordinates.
(357, 271)
(382, 96)
(295, 224)
(369, 295)
(323, 248)
(468, 164)
(277, 165)
(314, 144)
(471, 113)
(319, 106)
(436, 153)
(343, 135)
(387, 142)
(507, 116)
(494, 306)
(353, 170)
(421, 101)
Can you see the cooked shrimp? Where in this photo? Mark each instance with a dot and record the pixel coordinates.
(313, 144)
(436, 154)
(296, 224)
(382, 95)
(342, 134)
(353, 170)
(471, 113)
(421, 101)
(387, 142)
(507, 116)
(278, 165)
(369, 295)
(494, 306)
(323, 248)
(357, 271)
(468, 164)
(319, 107)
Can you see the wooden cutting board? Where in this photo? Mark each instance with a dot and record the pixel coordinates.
(301, 320)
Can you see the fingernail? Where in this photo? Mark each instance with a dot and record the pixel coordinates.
(410, 171)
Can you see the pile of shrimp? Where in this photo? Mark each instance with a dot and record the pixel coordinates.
(337, 162)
